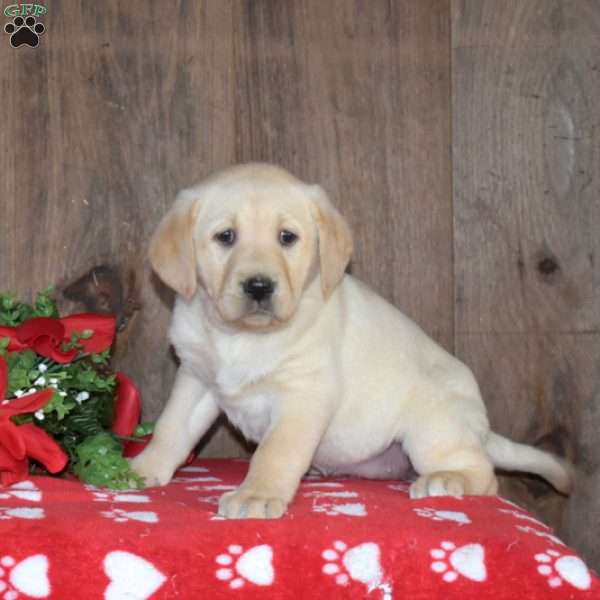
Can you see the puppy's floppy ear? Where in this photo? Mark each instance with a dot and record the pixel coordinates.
(172, 251)
(335, 240)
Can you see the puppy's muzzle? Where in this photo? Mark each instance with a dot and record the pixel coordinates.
(258, 288)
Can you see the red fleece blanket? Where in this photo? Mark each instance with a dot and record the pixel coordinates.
(342, 538)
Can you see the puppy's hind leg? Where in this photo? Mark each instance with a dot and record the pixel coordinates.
(449, 465)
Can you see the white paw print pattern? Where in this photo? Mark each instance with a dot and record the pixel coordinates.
(193, 469)
(443, 515)
(211, 488)
(558, 568)
(189, 475)
(214, 500)
(321, 484)
(108, 496)
(238, 566)
(29, 577)
(360, 563)
(211, 499)
(348, 509)
(119, 515)
(399, 487)
(21, 512)
(451, 562)
(24, 490)
(523, 516)
(131, 577)
(320, 494)
(202, 479)
(542, 534)
(351, 509)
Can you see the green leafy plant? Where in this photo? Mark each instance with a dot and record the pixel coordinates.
(79, 414)
(13, 312)
(99, 461)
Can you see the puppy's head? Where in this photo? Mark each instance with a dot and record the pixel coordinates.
(253, 237)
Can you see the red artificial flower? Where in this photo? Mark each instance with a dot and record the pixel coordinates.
(127, 416)
(127, 407)
(134, 447)
(18, 442)
(45, 336)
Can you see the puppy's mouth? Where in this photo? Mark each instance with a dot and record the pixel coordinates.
(247, 313)
(259, 312)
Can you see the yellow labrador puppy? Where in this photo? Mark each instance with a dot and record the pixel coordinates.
(305, 359)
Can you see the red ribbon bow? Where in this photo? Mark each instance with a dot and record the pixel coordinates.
(45, 336)
(18, 442)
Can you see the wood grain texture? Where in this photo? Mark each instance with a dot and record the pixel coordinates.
(526, 78)
(111, 115)
(355, 95)
(121, 105)
(460, 138)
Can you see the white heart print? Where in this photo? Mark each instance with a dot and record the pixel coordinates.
(131, 577)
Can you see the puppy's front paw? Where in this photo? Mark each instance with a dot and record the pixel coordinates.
(250, 504)
(154, 469)
(441, 483)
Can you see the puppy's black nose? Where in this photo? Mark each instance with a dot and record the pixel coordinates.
(258, 288)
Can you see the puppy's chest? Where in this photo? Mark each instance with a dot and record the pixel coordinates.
(241, 383)
(250, 413)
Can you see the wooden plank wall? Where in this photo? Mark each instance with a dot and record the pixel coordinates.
(460, 137)
(353, 95)
(526, 140)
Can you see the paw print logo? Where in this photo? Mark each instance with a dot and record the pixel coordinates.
(24, 32)
(451, 562)
(238, 567)
(28, 577)
(558, 568)
(360, 563)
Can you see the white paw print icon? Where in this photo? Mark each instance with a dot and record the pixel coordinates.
(399, 487)
(360, 563)
(108, 496)
(24, 490)
(119, 515)
(542, 534)
(558, 568)
(467, 561)
(29, 577)
(238, 566)
(349, 509)
(443, 515)
(21, 512)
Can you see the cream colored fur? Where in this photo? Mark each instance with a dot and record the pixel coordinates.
(328, 374)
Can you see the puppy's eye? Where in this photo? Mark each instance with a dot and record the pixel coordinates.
(225, 238)
(287, 238)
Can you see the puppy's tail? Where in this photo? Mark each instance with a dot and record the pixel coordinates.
(511, 456)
